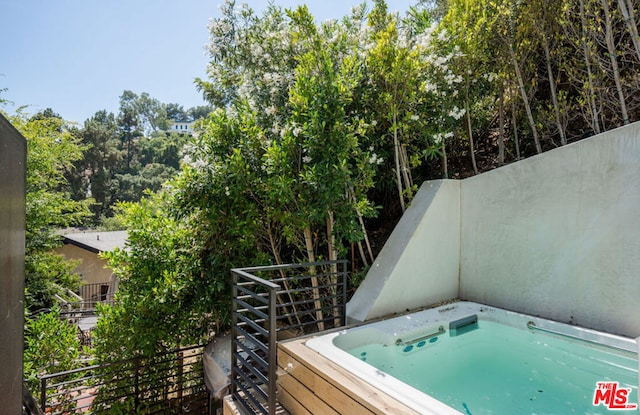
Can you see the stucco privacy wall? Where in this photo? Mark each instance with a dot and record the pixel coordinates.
(419, 263)
(558, 235)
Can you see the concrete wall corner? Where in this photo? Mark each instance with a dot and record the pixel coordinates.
(419, 263)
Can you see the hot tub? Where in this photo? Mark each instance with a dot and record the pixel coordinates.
(468, 358)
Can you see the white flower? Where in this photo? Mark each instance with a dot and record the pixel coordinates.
(438, 138)
(442, 36)
(415, 117)
(490, 76)
(271, 110)
(374, 159)
(374, 123)
(306, 159)
(429, 87)
(296, 131)
(226, 190)
(456, 113)
(256, 50)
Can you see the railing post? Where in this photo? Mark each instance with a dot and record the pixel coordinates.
(43, 394)
(180, 375)
(136, 398)
(343, 319)
(234, 324)
(273, 352)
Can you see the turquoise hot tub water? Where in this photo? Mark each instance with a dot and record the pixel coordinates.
(498, 369)
(487, 361)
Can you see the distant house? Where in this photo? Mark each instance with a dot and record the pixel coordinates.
(182, 127)
(100, 283)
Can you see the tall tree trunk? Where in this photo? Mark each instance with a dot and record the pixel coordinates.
(276, 255)
(587, 59)
(333, 256)
(406, 171)
(515, 129)
(630, 20)
(396, 154)
(552, 87)
(365, 234)
(470, 135)
(525, 100)
(501, 128)
(614, 61)
(445, 162)
(308, 241)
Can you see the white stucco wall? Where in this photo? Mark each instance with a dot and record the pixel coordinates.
(419, 263)
(558, 235)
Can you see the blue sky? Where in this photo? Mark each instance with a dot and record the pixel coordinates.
(78, 56)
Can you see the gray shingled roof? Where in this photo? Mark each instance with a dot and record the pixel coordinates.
(97, 241)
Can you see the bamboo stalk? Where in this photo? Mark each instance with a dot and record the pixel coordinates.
(611, 48)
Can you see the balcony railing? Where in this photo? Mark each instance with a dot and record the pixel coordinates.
(170, 383)
(278, 302)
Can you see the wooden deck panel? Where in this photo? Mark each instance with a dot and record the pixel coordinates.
(229, 407)
(311, 384)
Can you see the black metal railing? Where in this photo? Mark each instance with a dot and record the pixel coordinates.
(93, 293)
(84, 317)
(278, 302)
(169, 383)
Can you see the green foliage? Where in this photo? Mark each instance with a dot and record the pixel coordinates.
(51, 151)
(48, 274)
(51, 345)
(129, 154)
(165, 298)
(102, 158)
(316, 127)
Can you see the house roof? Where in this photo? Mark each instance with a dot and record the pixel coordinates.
(97, 242)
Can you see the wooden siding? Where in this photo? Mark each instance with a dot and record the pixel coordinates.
(308, 383)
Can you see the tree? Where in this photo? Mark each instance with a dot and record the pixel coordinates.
(174, 278)
(51, 150)
(199, 112)
(101, 161)
(395, 70)
(162, 148)
(176, 112)
(130, 127)
(51, 346)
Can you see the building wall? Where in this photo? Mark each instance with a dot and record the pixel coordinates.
(182, 127)
(556, 235)
(13, 150)
(92, 268)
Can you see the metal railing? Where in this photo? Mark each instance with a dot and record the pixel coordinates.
(277, 302)
(169, 383)
(84, 317)
(93, 293)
